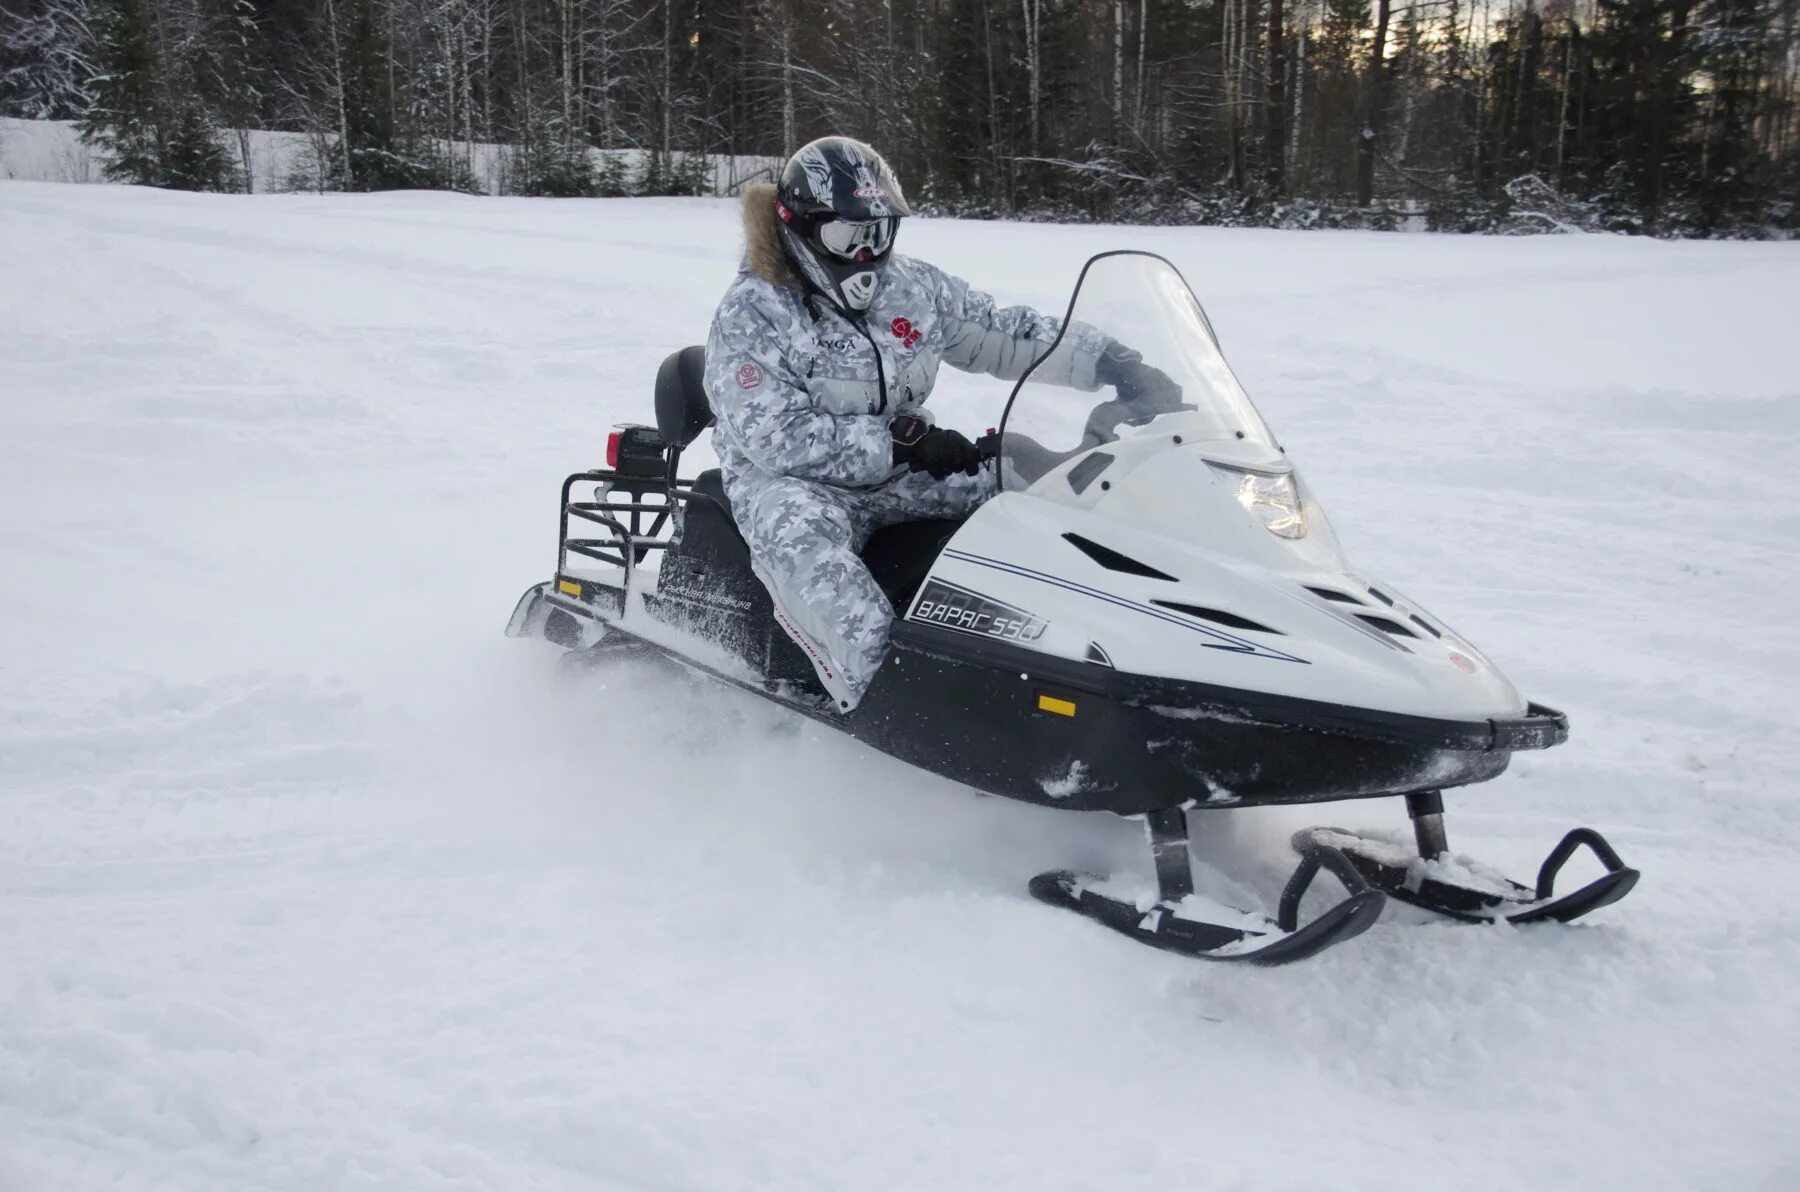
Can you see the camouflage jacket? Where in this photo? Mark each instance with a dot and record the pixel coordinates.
(800, 390)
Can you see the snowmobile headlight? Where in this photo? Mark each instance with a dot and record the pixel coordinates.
(1272, 498)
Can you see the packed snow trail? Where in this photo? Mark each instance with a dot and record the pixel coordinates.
(310, 879)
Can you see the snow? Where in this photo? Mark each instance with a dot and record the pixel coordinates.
(52, 151)
(311, 879)
(1070, 782)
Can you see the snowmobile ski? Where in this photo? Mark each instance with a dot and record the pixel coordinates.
(1460, 888)
(1179, 921)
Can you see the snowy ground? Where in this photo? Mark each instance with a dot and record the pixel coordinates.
(52, 151)
(310, 879)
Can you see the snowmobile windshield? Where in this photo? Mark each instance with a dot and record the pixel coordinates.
(1161, 373)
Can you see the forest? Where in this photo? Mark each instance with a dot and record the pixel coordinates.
(1662, 117)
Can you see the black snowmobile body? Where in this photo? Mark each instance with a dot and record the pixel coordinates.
(979, 710)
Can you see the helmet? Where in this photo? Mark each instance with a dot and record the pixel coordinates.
(838, 208)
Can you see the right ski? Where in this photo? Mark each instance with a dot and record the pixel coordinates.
(1459, 888)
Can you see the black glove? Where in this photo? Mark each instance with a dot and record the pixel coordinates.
(1147, 390)
(926, 448)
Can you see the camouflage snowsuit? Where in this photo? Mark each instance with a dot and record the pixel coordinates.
(803, 398)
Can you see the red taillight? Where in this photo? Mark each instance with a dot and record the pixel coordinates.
(612, 449)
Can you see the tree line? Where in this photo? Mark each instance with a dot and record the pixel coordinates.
(1668, 117)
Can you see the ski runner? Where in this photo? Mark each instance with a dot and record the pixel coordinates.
(819, 360)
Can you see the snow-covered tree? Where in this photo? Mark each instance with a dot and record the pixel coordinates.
(148, 113)
(1666, 116)
(47, 59)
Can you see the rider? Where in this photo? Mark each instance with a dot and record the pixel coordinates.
(820, 356)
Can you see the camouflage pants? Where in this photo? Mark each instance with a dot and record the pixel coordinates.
(805, 538)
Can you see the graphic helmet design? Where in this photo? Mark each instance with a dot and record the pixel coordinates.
(838, 207)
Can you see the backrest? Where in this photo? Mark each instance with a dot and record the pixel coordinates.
(682, 410)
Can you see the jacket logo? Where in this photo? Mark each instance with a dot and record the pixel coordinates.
(748, 375)
(904, 332)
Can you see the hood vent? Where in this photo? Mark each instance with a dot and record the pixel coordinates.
(1427, 626)
(1333, 595)
(1217, 617)
(1386, 625)
(1083, 473)
(1112, 560)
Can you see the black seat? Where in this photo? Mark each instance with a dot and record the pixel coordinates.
(711, 484)
(682, 410)
(901, 556)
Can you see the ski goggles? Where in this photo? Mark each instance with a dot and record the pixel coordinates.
(849, 239)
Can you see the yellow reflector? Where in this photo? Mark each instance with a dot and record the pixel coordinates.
(568, 587)
(1062, 707)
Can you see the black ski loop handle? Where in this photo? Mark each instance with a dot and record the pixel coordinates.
(1565, 848)
(989, 445)
(1314, 857)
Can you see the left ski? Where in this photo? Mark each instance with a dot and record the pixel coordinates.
(1181, 921)
(1177, 927)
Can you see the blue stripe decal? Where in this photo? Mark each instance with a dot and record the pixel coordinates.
(1236, 646)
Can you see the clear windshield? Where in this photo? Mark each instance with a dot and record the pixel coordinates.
(1162, 365)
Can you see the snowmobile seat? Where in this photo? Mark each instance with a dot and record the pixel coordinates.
(682, 410)
(900, 556)
(711, 485)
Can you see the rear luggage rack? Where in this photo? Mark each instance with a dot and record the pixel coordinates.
(634, 508)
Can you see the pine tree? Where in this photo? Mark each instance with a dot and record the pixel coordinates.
(124, 119)
(377, 146)
(229, 70)
(148, 113)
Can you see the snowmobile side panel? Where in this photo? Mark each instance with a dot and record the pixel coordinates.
(1079, 735)
(705, 587)
(1058, 732)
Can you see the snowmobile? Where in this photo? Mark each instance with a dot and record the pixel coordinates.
(1153, 618)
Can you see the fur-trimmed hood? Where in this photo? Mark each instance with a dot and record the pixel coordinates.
(762, 237)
